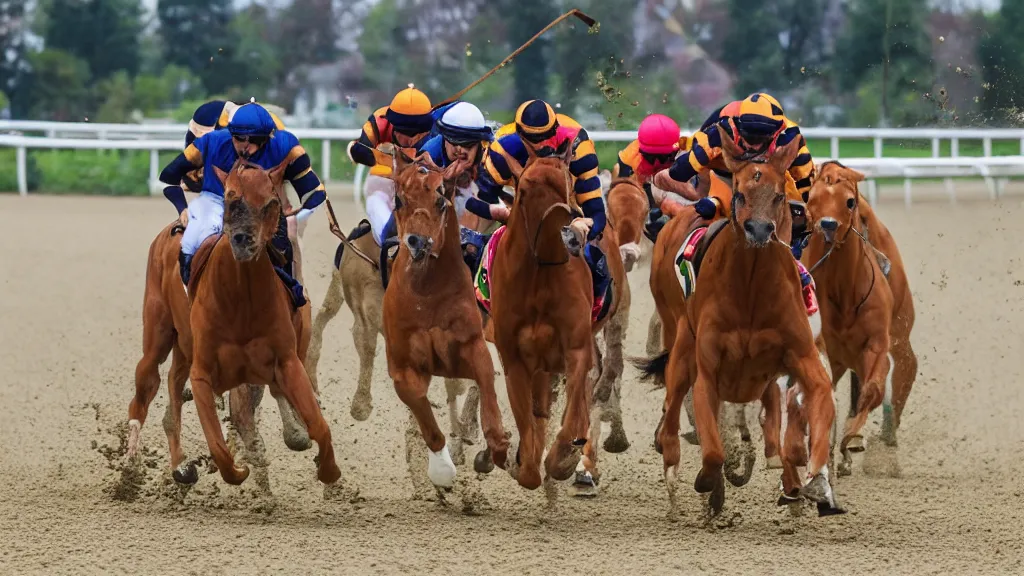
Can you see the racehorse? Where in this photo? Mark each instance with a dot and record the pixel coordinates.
(542, 316)
(743, 325)
(166, 329)
(245, 326)
(628, 208)
(867, 315)
(431, 324)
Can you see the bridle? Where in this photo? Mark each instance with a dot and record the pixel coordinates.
(854, 215)
(540, 226)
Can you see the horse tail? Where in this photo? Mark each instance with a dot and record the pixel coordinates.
(652, 367)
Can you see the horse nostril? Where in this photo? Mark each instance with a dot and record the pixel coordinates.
(829, 224)
(414, 242)
(771, 227)
(239, 238)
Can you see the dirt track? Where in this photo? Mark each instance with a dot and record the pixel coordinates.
(72, 278)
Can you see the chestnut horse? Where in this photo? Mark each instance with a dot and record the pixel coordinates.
(541, 315)
(165, 329)
(431, 324)
(244, 325)
(866, 319)
(744, 325)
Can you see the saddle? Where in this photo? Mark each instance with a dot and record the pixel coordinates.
(202, 258)
(691, 254)
(361, 229)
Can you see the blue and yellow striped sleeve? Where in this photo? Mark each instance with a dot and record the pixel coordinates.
(369, 138)
(584, 167)
(802, 168)
(299, 171)
(496, 173)
(172, 174)
(703, 147)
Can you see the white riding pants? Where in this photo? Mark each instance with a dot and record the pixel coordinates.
(205, 218)
(380, 203)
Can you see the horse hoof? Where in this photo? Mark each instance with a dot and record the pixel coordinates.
(825, 509)
(134, 436)
(616, 442)
(186, 474)
(844, 468)
(856, 444)
(482, 463)
(328, 474)
(786, 500)
(441, 469)
(773, 463)
(236, 475)
(691, 438)
(584, 486)
(706, 482)
(360, 412)
(186, 395)
(297, 442)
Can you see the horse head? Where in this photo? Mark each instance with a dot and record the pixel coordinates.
(759, 189)
(833, 199)
(543, 176)
(252, 207)
(423, 198)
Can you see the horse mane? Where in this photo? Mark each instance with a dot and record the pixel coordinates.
(827, 162)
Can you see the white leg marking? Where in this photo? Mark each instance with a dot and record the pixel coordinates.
(888, 383)
(441, 469)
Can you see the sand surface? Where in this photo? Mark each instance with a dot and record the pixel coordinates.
(71, 282)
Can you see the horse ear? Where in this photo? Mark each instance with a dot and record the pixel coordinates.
(855, 175)
(783, 157)
(730, 150)
(565, 151)
(399, 161)
(221, 175)
(277, 173)
(515, 167)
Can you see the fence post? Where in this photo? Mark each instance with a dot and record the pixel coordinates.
(326, 161)
(834, 147)
(154, 175)
(954, 152)
(22, 171)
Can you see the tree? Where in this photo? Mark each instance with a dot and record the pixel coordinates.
(530, 69)
(116, 98)
(59, 86)
(1001, 55)
(886, 43)
(197, 36)
(13, 63)
(580, 53)
(103, 33)
(769, 45)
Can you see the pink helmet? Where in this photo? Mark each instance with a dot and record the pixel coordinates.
(658, 134)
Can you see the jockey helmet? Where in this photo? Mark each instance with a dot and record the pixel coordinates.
(658, 135)
(252, 120)
(536, 121)
(409, 112)
(759, 118)
(463, 123)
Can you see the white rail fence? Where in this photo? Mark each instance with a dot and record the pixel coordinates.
(154, 138)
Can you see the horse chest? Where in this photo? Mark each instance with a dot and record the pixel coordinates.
(742, 362)
(253, 362)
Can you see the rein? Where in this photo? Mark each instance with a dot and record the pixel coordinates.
(540, 227)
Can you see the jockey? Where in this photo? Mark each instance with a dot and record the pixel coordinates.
(407, 123)
(537, 126)
(213, 115)
(656, 147)
(252, 134)
(758, 125)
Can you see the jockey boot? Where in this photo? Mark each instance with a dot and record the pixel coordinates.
(473, 244)
(294, 288)
(800, 233)
(184, 268)
(386, 258)
(598, 272)
(655, 222)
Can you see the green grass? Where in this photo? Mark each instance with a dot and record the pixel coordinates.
(125, 173)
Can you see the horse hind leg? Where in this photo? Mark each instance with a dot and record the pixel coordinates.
(333, 300)
(295, 436)
(654, 338)
(244, 405)
(898, 387)
(364, 333)
(608, 391)
(157, 342)
(180, 367)
(469, 421)
(709, 480)
(740, 456)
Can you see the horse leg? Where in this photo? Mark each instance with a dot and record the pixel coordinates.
(794, 449)
(293, 381)
(611, 378)
(901, 381)
(564, 456)
(364, 333)
(243, 402)
(412, 391)
(856, 443)
(180, 367)
(157, 341)
(295, 436)
(454, 387)
(654, 339)
(740, 457)
(706, 405)
(333, 300)
(678, 380)
(470, 418)
(771, 424)
(202, 392)
(478, 358)
(876, 368)
(819, 404)
(525, 465)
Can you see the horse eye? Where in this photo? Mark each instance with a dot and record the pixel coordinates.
(740, 199)
(423, 169)
(779, 198)
(441, 203)
(850, 203)
(398, 202)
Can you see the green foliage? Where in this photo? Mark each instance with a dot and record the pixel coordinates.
(117, 98)
(196, 35)
(103, 33)
(382, 45)
(1001, 55)
(530, 69)
(59, 86)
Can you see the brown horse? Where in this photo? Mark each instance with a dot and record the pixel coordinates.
(431, 325)
(165, 328)
(245, 328)
(628, 208)
(541, 315)
(743, 325)
(866, 319)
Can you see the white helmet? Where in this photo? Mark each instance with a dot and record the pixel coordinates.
(464, 123)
